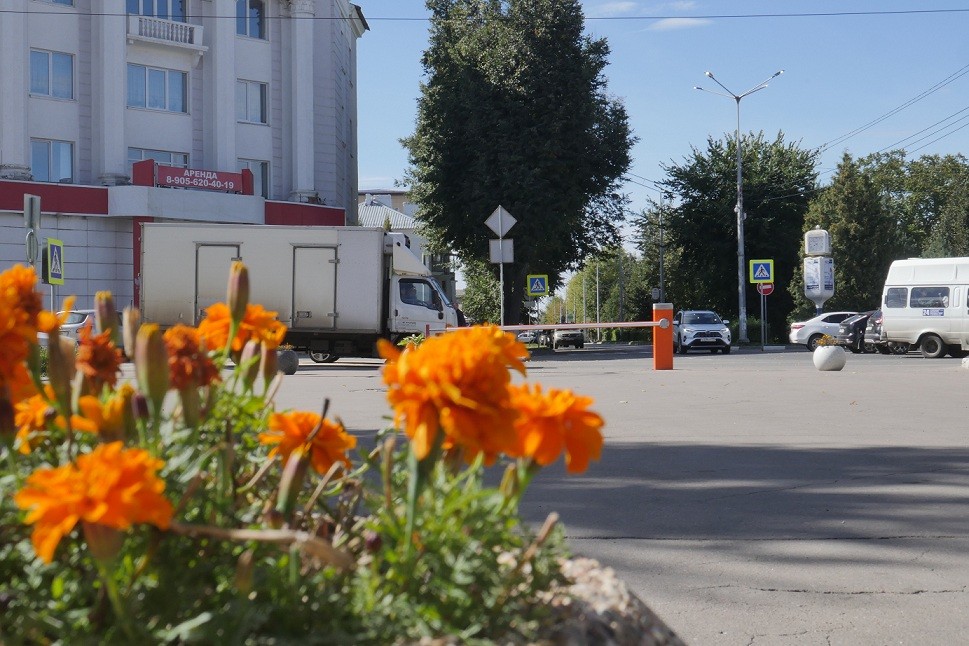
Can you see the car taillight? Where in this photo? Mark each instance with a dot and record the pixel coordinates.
(796, 326)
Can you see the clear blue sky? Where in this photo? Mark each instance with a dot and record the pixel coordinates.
(841, 73)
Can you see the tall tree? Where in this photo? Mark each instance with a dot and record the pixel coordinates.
(864, 238)
(514, 111)
(701, 230)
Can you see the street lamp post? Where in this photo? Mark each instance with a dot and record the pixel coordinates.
(741, 294)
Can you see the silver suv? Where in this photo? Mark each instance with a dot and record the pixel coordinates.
(574, 338)
(700, 330)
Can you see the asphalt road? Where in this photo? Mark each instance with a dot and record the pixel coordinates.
(749, 498)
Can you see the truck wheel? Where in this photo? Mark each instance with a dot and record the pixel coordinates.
(932, 346)
(682, 349)
(812, 343)
(323, 357)
(580, 346)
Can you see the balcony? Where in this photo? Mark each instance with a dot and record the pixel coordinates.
(166, 33)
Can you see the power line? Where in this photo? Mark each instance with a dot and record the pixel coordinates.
(935, 88)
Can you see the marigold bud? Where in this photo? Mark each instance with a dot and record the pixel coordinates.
(191, 405)
(139, 406)
(151, 364)
(269, 364)
(106, 315)
(60, 367)
(103, 541)
(249, 363)
(291, 482)
(130, 322)
(238, 294)
(244, 568)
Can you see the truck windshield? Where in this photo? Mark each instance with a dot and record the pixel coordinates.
(440, 291)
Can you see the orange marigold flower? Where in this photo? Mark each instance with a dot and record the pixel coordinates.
(258, 324)
(111, 486)
(15, 380)
(555, 421)
(188, 365)
(112, 419)
(288, 431)
(98, 357)
(20, 303)
(457, 383)
(34, 416)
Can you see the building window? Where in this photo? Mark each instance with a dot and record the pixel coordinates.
(167, 9)
(66, 3)
(251, 102)
(251, 18)
(260, 175)
(157, 89)
(52, 161)
(163, 157)
(51, 74)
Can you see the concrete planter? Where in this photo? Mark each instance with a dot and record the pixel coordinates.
(287, 361)
(829, 357)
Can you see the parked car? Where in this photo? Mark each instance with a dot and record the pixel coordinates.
(809, 332)
(875, 338)
(77, 319)
(851, 333)
(545, 338)
(528, 336)
(574, 338)
(700, 330)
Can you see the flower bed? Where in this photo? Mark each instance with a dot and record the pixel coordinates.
(185, 507)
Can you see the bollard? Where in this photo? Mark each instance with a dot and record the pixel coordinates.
(663, 336)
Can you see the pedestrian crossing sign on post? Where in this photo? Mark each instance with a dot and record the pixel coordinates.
(762, 271)
(53, 267)
(537, 285)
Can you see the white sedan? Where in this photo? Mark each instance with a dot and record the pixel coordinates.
(809, 332)
(528, 336)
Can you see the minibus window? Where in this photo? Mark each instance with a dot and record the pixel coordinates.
(896, 297)
(930, 297)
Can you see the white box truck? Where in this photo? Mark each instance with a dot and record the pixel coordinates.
(925, 303)
(338, 289)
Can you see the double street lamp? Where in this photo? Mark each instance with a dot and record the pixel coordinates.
(741, 294)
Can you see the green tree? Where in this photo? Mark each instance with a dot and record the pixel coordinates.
(514, 111)
(701, 229)
(950, 235)
(480, 300)
(863, 238)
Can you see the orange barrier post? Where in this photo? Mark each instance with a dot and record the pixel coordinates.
(663, 336)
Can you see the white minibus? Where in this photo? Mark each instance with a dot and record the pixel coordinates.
(926, 303)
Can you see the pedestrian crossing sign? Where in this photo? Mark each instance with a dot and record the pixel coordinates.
(762, 271)
(537, 285)
(53, 266)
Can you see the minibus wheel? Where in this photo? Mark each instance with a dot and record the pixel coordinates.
(932, 346)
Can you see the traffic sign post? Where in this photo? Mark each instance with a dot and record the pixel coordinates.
(764, 289)
(32, 224)
(501, 221)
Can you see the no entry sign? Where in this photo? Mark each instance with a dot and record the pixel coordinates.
(765, 289)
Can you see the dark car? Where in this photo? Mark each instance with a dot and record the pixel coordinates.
(873, 337)
(851, 333)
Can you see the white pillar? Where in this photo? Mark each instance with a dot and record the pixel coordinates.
(14, 148)
(302, 104)
(219, 99)
(108, 74)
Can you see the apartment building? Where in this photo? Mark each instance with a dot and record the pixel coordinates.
(120, 111)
